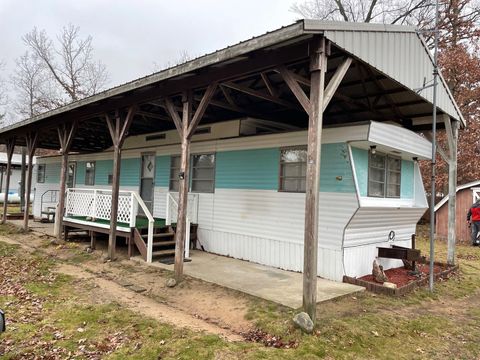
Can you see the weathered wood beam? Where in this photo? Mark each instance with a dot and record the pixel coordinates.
(174, 115)
(31, 140)
(296, 89)
(260, 95)
(233, 108)
(271, 89)
(452, 134)
(318, 67)
(66, 133)
(335, 81)
(10, 145)
(183, 188)
(207, 96)
(441, 151)
(118, 128)
(227, 95)
(153, 115)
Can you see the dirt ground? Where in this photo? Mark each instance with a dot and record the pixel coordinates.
(193, 304)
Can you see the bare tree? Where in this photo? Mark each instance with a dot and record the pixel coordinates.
(69, 62)
(3, 95)
(32, 84)
(182, 57)
(405, 12)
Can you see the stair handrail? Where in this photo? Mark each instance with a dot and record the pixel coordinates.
(168, 218)
(151, 222)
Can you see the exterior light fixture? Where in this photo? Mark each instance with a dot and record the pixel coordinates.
(181, 175)
(373, 149)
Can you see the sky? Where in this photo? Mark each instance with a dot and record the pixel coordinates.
(134, 37)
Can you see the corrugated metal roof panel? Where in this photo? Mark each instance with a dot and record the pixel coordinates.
(400, 55)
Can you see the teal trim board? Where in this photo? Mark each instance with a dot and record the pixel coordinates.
(335, 169)
(407, 180)
(360, 159)
(247, 169)
(162, 171)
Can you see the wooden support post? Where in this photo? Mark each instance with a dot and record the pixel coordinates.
(188, 124)
(66, 133)
(452, 134)
(10, 147)
(318, 66)
(118, 128)
(31, 140)
(183, 189)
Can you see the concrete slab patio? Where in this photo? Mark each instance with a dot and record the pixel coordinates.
(280, 286)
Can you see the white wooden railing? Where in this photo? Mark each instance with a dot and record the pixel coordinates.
(192, 215)
(97, 204)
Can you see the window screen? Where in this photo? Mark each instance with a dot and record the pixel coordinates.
(90, 173)
(41, 173)
(293, 169)
(203, 173)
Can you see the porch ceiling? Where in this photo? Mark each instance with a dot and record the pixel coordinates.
(249, 85)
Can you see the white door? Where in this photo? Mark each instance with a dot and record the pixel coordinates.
(147, 183)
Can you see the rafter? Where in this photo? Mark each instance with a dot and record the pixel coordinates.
(260, 95)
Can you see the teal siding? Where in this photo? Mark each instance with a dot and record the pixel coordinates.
(130, 172)
(52, 173)
(103, 168)
(80, 177)
(248, 169)
(335, 163)
(259, 169)
(407, 180)
(162, 171)
(360, 159)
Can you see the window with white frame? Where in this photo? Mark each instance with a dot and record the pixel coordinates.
(384, 175)
(90, 173)
(293, 169)
(41, 173)
(203, 173)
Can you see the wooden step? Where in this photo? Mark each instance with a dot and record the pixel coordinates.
(164, 243)
(159, 236)
(164, 252)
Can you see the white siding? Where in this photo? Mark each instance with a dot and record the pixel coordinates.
(358, 260)
(372, 225)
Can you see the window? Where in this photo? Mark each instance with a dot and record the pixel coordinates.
(384, 175)
(41, 173)
(293, 169)
(90, 173)
(174, 171)
(203, 173)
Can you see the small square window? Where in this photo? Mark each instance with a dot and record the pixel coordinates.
(203, 173)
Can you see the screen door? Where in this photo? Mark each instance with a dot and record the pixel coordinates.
(147, 183)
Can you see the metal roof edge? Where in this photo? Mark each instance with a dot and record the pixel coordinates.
(461, 187)
(312, 25)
